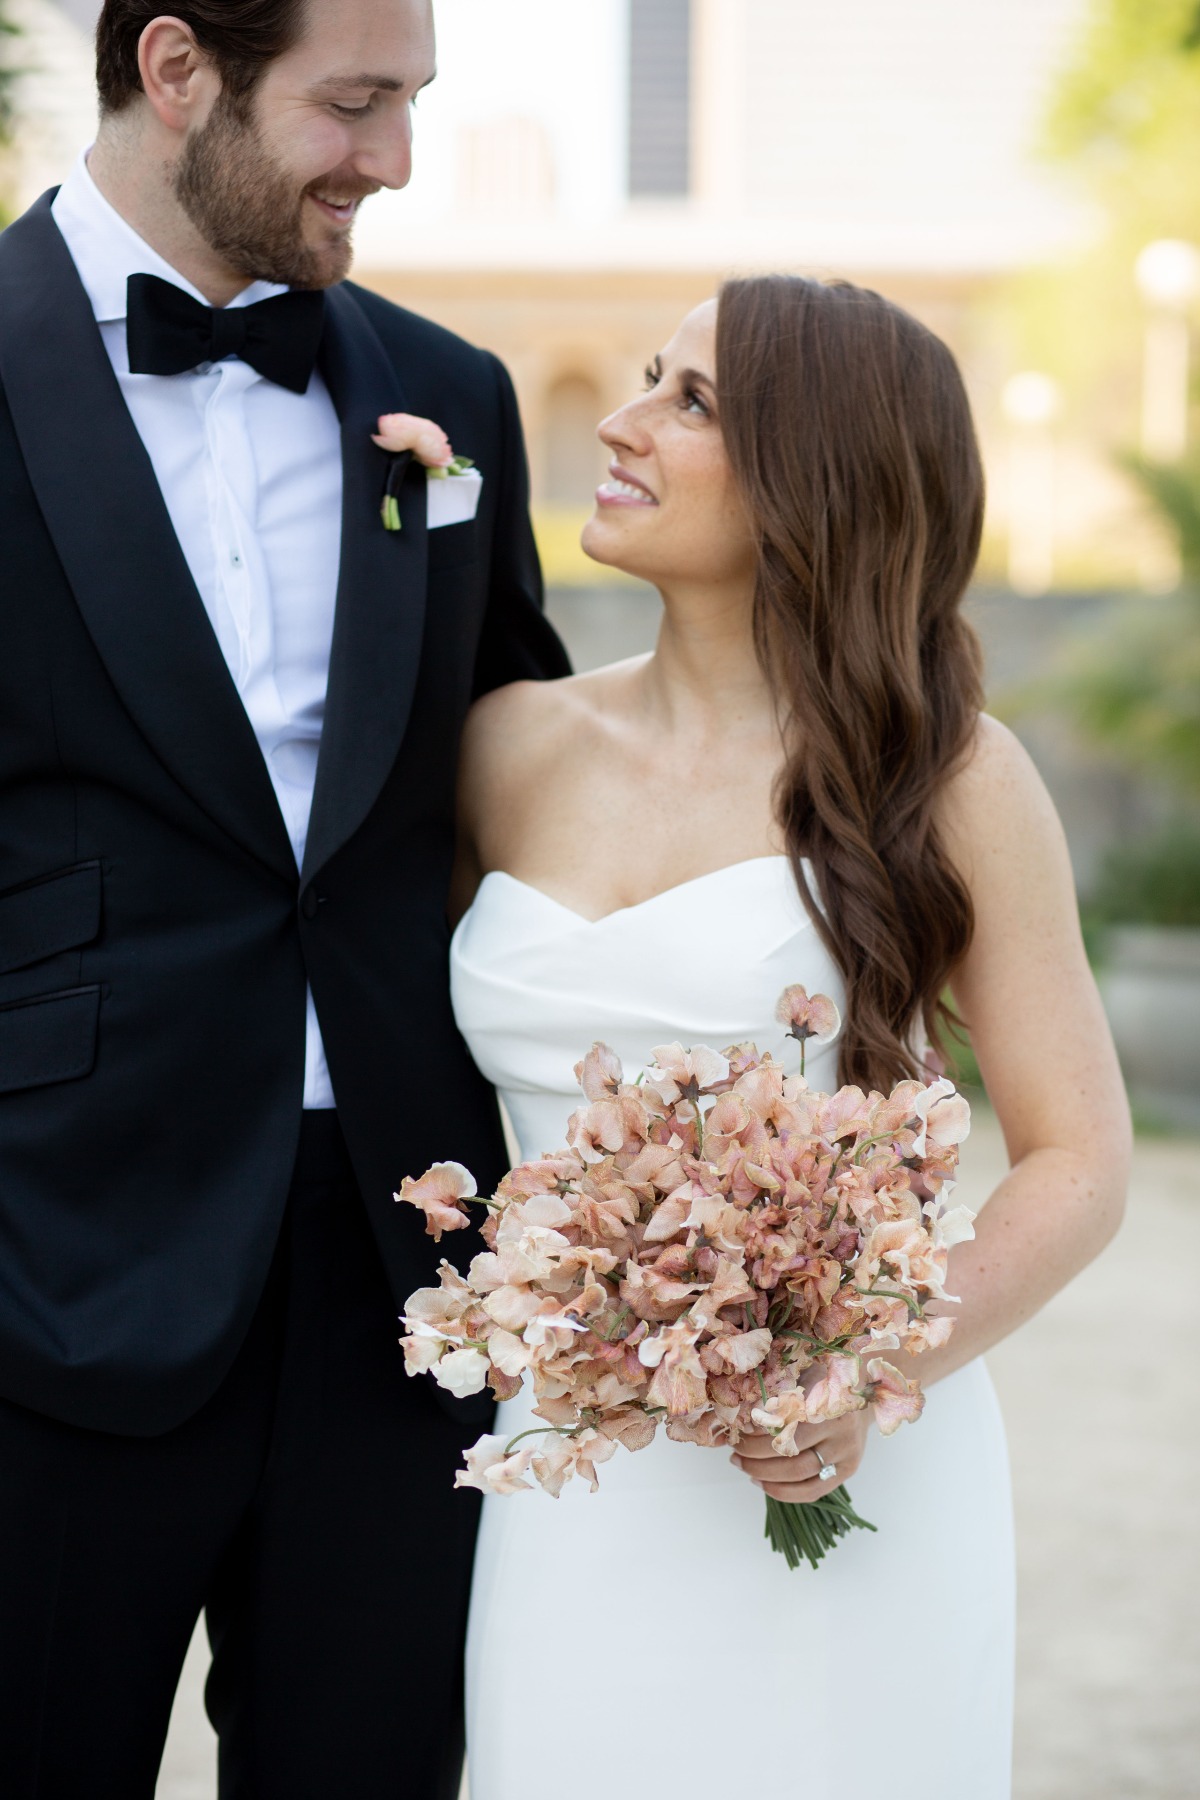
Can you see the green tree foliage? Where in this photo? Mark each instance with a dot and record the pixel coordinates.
(1123, 131)
(1136, 690)
(1126, 120)
(1126, 109)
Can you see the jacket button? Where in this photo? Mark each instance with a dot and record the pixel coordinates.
(309, 903)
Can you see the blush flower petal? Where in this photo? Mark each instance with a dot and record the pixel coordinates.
(599, 1074)
(462, 1372)
(491, 1471)
(806, 1017)
(896, 1400)
(399, 432)
(437, 1194)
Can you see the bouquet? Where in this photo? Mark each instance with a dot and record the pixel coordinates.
(718, 1249)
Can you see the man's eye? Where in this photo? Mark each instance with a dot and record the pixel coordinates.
(350, 112)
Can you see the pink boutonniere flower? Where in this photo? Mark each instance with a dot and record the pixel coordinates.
(405, 436)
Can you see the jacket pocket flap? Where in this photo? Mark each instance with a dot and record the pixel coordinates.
(57, 912)
(51, 1038)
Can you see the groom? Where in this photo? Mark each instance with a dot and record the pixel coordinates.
(231, 702)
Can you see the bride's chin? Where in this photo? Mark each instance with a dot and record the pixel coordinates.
(603, 546)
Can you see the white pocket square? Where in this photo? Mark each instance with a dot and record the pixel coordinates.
(452, 499)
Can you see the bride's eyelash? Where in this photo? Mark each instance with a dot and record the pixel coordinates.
(651, 376)
(692, 396)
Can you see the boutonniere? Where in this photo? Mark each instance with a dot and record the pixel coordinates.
(406, 436)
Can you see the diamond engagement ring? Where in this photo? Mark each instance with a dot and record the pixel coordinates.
(827, 1470)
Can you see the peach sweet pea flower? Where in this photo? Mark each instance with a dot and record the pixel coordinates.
(509, 1353)
(630, 1426)
(846, 1114)
(730, 1286)
(927, 1334)
(599, 1074)
(679, 1074)
(780, 1417)
(944, 1114)
(608, 1126)
(679, 1378)
(422, 1347)
(655, 1294)
(743, 1350)
(437, 1194)
(426, 441)
(895, 1398)
(836, 1393)
(561, 1457)
(462, 1372)
(553, 1328)
(816, 1018)
(491, 1471)
(546, 1176)
(433, 1318)
(954, 1225)
(909, 1253)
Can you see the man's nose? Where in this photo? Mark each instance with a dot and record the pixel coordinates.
(388, 158)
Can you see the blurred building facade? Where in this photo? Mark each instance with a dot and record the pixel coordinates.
(587, 170)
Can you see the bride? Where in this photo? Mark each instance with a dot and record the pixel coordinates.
(798, 785)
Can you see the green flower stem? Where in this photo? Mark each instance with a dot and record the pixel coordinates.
(544, 1431)
(805, 1532)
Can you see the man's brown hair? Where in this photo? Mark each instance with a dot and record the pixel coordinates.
(241, 37)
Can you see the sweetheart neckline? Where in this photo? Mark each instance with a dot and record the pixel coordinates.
(618, 912)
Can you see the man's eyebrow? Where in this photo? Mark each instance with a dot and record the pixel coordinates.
(385, 84)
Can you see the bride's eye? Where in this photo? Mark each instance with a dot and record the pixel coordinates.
(694, 403)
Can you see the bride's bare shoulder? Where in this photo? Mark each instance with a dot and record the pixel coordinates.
(997, 820)
(518, 733)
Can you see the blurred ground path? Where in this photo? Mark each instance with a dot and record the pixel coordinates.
(1099, 1398)
(1106, 1467)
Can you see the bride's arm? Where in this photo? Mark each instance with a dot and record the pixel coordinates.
(1047, 1060)
(1044, 1050)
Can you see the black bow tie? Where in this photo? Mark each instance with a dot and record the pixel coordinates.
(167, 332)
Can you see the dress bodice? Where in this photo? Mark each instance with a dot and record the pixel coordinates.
(534, 984)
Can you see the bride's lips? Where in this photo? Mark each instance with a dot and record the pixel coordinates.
(624, 489)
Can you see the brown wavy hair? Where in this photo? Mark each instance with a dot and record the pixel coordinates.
(850, 436)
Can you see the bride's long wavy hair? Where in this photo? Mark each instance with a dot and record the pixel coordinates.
(850, 436)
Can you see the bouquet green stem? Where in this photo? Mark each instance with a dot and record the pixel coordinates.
(804, 1532)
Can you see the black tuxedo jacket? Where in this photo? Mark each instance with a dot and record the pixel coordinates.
(155, 934)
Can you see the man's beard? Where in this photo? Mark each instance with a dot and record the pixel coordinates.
(246, 207)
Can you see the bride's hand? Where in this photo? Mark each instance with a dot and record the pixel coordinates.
(796, 1477)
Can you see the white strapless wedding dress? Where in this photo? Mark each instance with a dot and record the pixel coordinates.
(644, 1642)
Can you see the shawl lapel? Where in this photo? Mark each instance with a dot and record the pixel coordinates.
(113, 534)
(380, 613)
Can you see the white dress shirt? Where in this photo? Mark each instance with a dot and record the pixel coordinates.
(252, 478)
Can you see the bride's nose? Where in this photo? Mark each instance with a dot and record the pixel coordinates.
(624, 430)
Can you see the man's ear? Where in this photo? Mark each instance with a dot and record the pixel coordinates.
(178, 78)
